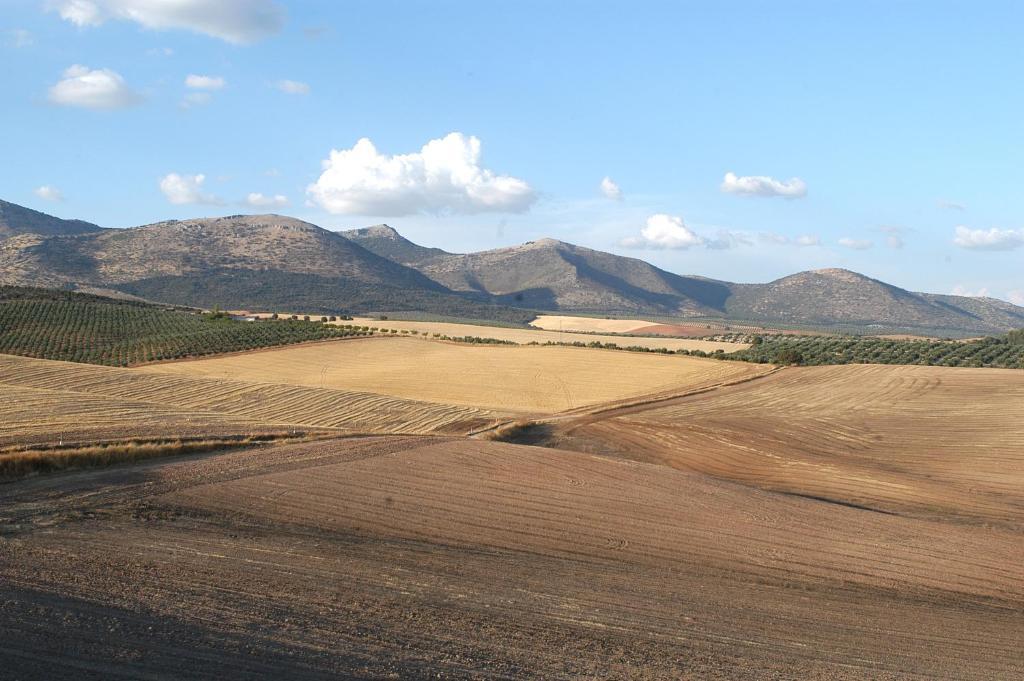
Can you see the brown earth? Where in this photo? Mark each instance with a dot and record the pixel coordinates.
(811, 523)
(928, 441)
(426, 558)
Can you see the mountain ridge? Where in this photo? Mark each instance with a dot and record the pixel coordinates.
(264, 260)
(15, 219)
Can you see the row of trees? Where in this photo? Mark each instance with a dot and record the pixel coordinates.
(1004, 352)
(102, 331)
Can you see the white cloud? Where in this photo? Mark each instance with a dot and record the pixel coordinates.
(783, 240)
(92, 89)
(204, 82)
(49, 193)
(773, 238)
(993, 239)
(181, 189)
(761, 185)
(18, 38)
(961, 290)
(445, 176)
(894, 240)
(160, 52)
(727, 238)
(1015, 297)
(664, 231)
(951, 205)
(292, 87)
(193, 99)
(610, 189)
(80, 12)
(235, 21)
(856, 244)
(261, 201)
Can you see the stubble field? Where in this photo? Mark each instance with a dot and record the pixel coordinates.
(542, 335)
(55, 397)
(506, 378)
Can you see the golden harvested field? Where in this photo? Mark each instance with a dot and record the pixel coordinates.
(426, 558)
(33, 415)
(108, 396)
(922, 440)
(505, 378)
(524, 336)
(553, 322)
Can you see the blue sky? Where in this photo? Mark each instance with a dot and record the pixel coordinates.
(883, 137)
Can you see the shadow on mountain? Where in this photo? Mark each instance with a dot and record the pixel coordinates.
(541, 298)
(309, 293)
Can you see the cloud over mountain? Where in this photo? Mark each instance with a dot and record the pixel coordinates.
(445, 176)
(994, 239)
(665, 231)
(610, 189)
(181, 189)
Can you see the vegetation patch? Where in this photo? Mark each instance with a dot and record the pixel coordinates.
(16, 463)
(94, 330)
(1006, 352)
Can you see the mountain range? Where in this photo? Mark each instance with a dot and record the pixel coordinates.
(273, 261)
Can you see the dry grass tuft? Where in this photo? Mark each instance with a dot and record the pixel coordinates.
(509, 432)
(18, 463)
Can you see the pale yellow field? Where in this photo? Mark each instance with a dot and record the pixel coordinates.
(552, 322)
(39, 396)
(524, 336)
(36, 415)
(502, 377)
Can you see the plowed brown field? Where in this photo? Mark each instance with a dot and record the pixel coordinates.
(932, 441)
(420, 558)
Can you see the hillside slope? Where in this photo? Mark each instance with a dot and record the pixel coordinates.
(553, 275)
(236, 261)
(15, 219)
(831, 297)
(282, 262)
(386, 242)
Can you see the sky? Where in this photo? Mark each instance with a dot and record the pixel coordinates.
(742, 141)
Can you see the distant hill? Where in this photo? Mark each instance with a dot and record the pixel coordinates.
(553, 275)
(832, 297)
(238, 261)
(281, 262)
(15, 219)
(388, 243)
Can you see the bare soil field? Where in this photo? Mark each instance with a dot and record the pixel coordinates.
(50, 396)
(928, 441)
(505, 378)
(524, 336)
(429, 558)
